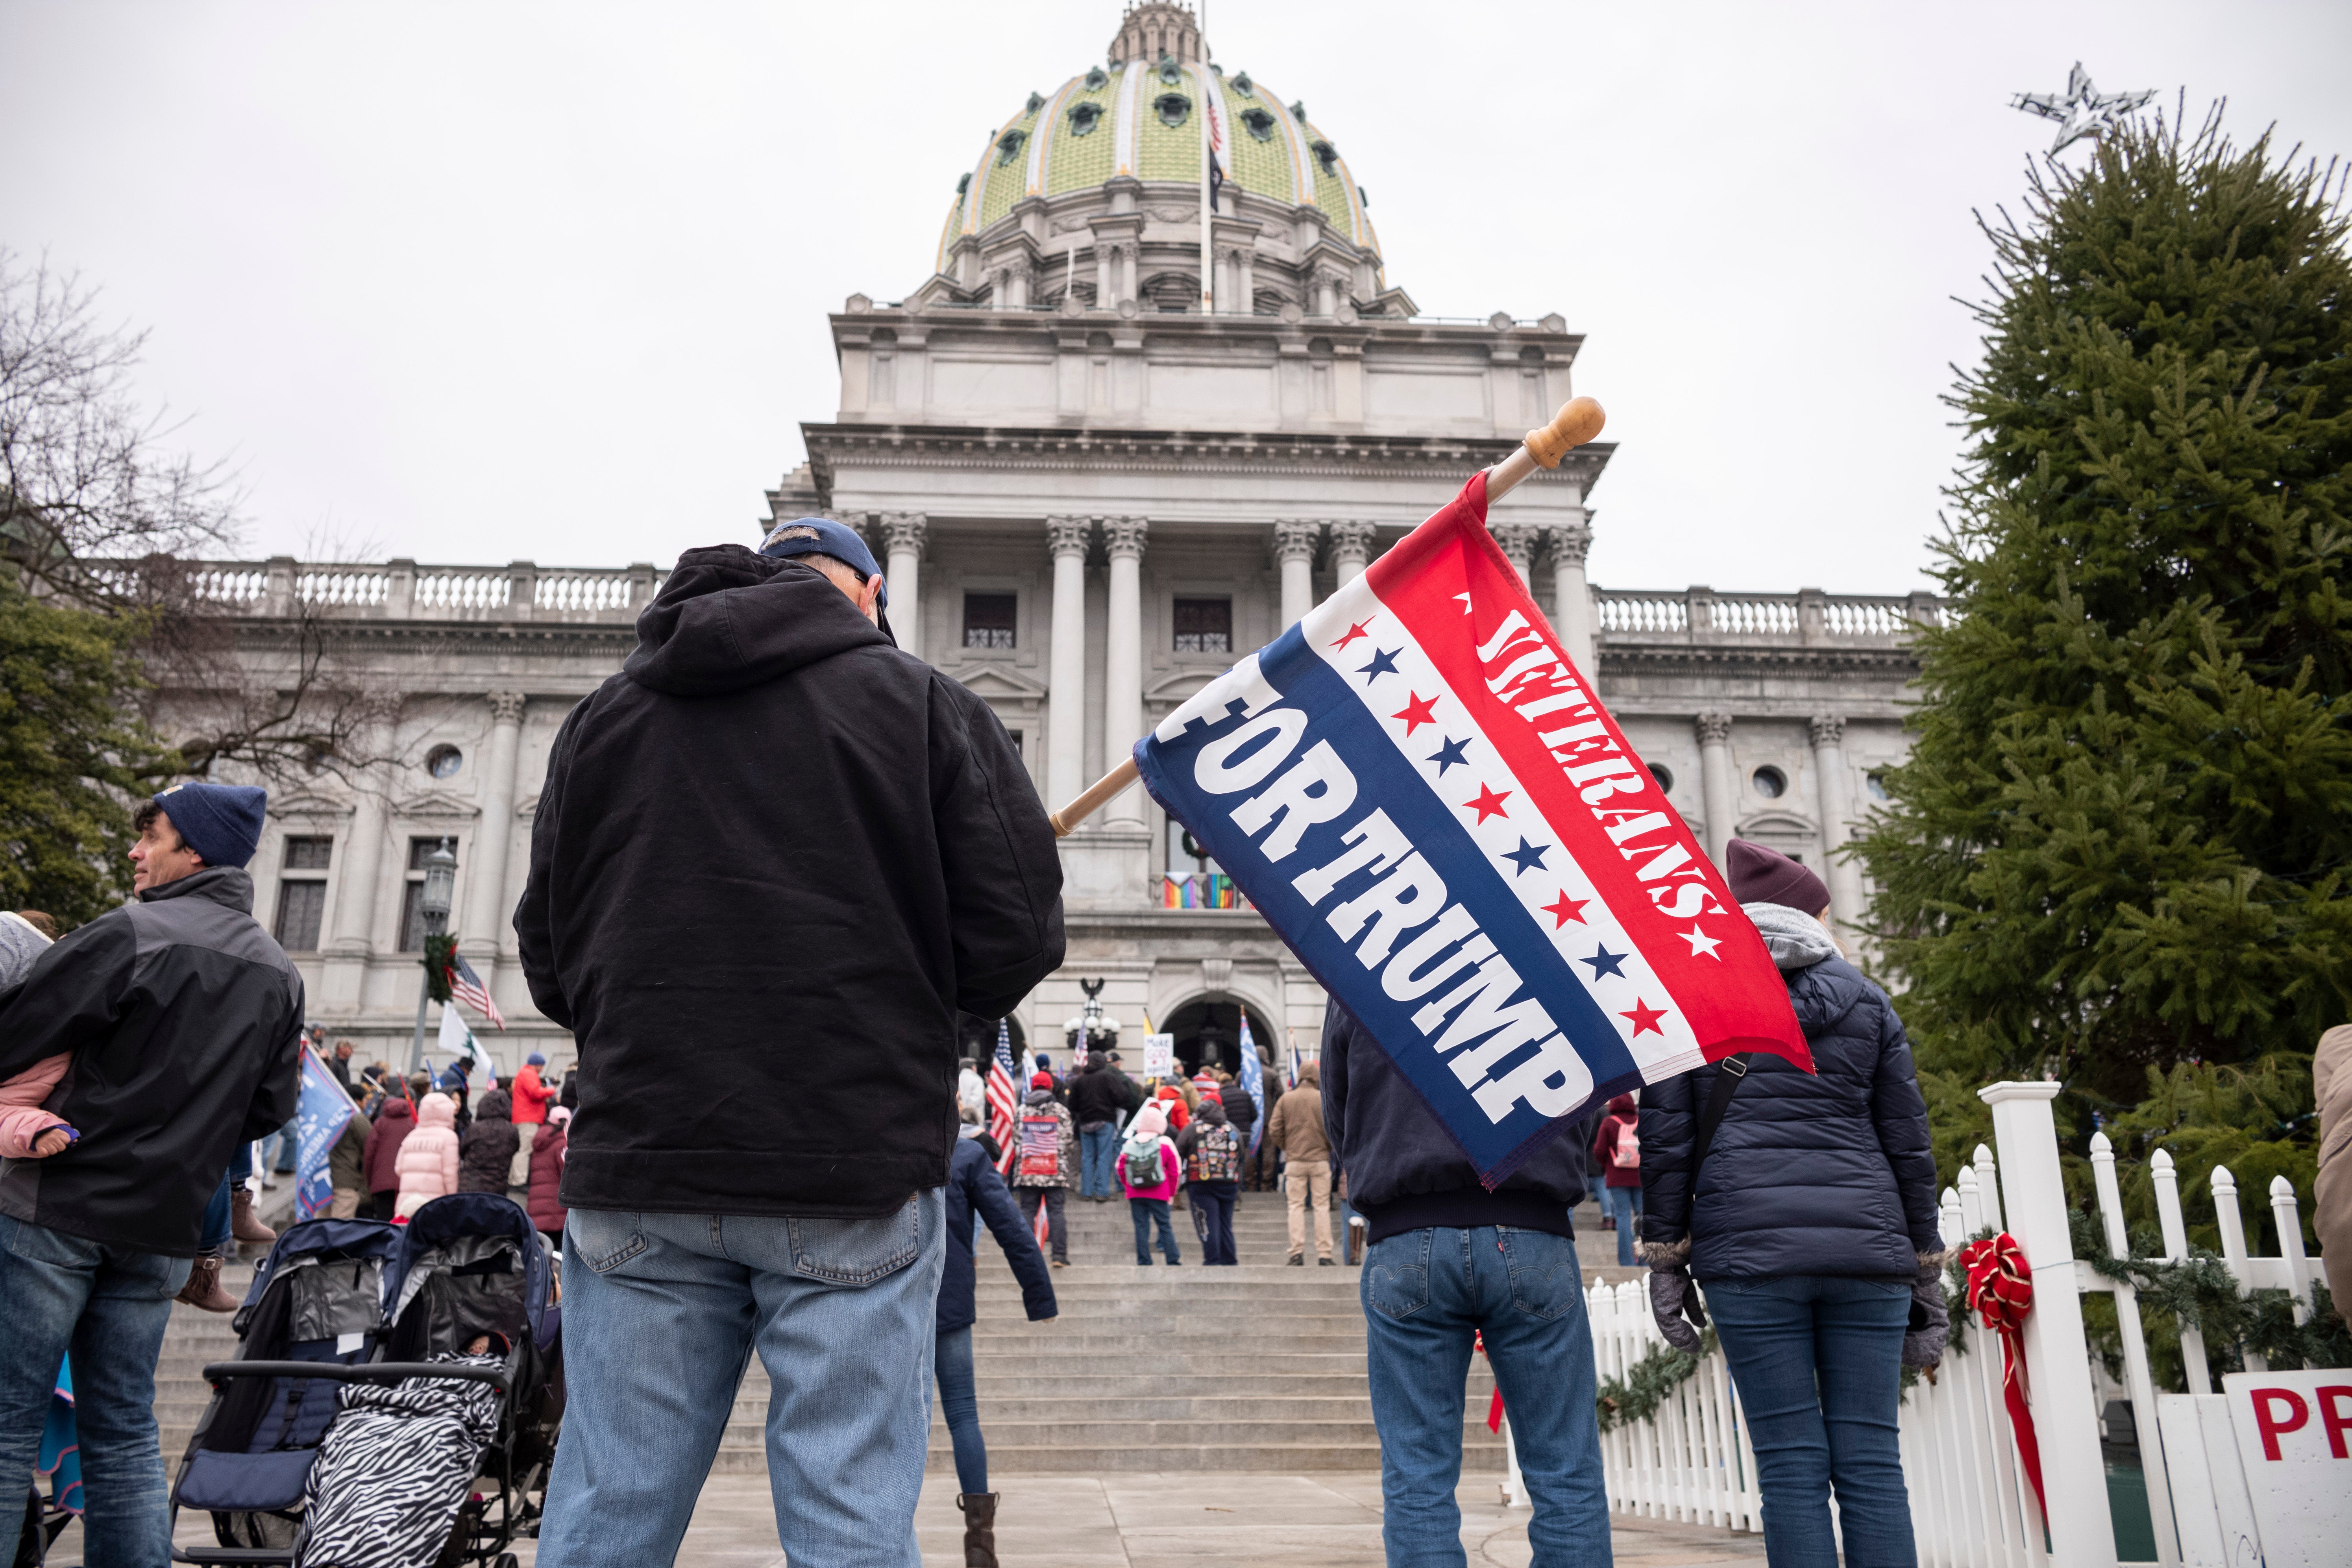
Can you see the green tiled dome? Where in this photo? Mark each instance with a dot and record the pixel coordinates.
(1133, 119)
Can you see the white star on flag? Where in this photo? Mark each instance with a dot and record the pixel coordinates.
(1465, 602)
(1701, 942)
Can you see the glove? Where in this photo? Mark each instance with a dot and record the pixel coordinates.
(1673, 1299)
(1931, 1321)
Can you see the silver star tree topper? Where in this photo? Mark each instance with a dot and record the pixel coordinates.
(2083, 111)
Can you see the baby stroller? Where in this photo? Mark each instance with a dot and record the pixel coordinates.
(354, 1428)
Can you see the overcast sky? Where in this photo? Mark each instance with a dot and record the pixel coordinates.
(472, 282)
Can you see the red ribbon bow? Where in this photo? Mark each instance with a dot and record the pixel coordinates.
(2001, 1292)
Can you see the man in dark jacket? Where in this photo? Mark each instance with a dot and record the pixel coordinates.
(1099, 1101)
(184, 1023)
(772, 858)
(1448, 1260)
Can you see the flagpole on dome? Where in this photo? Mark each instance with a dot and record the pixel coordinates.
(1579, 420)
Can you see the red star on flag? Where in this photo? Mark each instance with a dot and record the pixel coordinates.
(1353, 633)
(1644, 1017)
(1416, 713)
(1488, 803)
(1566, 910)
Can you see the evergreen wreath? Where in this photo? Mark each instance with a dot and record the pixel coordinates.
(440, 955)
(2201, 1291)
(1646, 1383)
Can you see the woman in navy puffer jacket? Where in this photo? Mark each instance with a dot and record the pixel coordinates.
(1812, 1225)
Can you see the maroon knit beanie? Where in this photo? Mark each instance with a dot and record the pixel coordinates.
(1761, 876)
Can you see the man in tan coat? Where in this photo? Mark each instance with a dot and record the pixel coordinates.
(2331, 1083)
(1297, 1130)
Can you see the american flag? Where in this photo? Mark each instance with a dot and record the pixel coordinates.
(1003, 1099)
(466, 986)
(1041, 1136)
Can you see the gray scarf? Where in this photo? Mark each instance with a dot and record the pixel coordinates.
(1794, 939)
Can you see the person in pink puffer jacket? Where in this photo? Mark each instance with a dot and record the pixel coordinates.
(427, 1161)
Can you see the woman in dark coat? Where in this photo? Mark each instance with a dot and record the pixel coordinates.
(488, 1146)
(1812, 1223)
(974, 1187)
(396, 1118)
(546, 1202)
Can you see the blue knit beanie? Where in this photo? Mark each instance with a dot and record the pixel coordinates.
(220, 822)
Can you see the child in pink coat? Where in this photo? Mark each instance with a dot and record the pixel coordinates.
(26, 1132)
(1148, 1136)
(427, 1162)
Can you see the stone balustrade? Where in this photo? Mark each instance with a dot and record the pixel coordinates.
(406, 591)
(1808, 618)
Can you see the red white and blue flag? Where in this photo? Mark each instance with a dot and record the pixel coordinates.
(1003, 1099)
(1427, 803)
(466, 986)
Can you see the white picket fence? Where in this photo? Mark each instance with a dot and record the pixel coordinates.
(1971, 1506)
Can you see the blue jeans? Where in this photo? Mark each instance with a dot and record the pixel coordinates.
(1145, 1211)
(1817, 1364)
(960, 1407)
(1213, 1219)
(109, 1306)
(278, 1148)
(1097, 1151)
(661, 1315)
(216, 1232)
(1625, 1203)
(1426, 1293)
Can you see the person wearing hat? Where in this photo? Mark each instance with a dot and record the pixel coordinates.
(183, 1023)
(1811, 1219)
(532, 1095)
(775, 860)
(1046, 1167)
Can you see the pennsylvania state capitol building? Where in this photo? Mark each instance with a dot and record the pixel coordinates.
(1113, 441)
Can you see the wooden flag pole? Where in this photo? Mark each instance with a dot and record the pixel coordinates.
(1579, 420)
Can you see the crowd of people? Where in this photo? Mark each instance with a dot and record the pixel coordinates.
(762, 950)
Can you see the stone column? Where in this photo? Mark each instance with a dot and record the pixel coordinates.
(1293, 549)
(903, 533)
(1571, 615)
(1106, 292)
(355, 896)
(487, 918)
(1518, 541)
(1247, 304)
(1123, 661)
(1351, 548)
(1065, 693)
(1827, 731)
(1718, 791)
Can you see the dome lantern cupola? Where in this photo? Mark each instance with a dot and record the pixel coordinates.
(1155, 29)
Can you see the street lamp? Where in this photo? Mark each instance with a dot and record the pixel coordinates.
(433, 904)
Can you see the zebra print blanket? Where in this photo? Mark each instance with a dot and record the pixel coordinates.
(395, 1469)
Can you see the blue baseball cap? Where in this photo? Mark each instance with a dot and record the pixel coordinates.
(837, 540)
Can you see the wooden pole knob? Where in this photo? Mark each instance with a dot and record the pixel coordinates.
(1579, 420)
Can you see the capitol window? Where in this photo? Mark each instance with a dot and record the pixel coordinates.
(443, 762)
(989, 619)
(1083, 118)
(1258, 123)
(1174, 108)
(1664, 775)
(1875, 781)
(1205, 625)
(1770, 783)
(1008, 146)
(302, 894)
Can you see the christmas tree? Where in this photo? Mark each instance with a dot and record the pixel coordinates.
(2119, 847)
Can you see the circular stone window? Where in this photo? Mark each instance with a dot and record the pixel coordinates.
(1770, 783)
(443, 762)
(1664, 775)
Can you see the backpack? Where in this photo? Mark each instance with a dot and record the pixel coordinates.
(1141, 1164)
(1627, 1154)
(1216, 1155)
(1041, 1148)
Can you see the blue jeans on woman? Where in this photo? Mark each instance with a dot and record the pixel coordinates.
(661, 1314)
(960, 1407)
(1625, 1203)
(1145, 1211)
(109, 1306)
(1427, 1294)
(1098, 1148)
(1818, 1362)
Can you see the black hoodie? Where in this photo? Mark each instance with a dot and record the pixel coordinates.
(771, 861)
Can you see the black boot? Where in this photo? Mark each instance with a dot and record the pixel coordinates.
(979, 1528)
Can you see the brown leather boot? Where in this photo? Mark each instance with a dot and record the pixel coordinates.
(979, 1528)
(204, 1291)
(243, 1224)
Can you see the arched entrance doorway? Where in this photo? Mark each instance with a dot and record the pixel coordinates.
(1208, 1033)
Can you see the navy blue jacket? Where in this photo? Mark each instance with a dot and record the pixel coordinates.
(973, 1185)
(1822, 1172)
(1403, 1171)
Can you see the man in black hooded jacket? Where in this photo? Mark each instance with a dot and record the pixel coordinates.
(771, 859)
